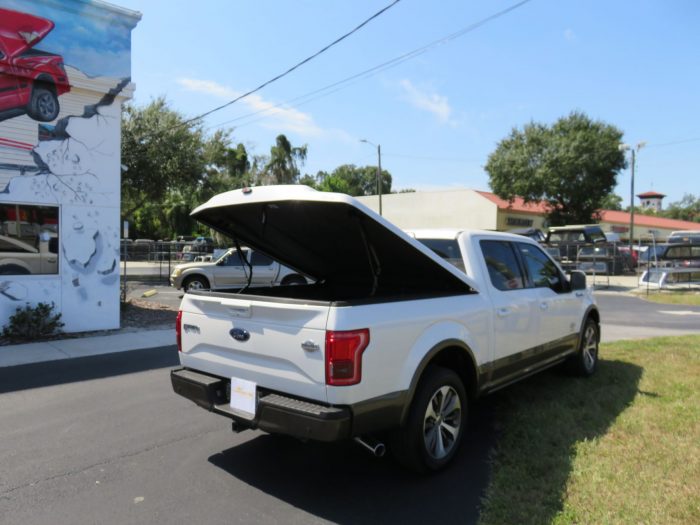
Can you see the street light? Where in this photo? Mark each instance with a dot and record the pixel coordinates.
(379, 170)
(633, 149)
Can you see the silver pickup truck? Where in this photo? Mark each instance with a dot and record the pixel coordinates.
(233, 269)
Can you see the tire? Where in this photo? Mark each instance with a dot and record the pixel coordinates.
(196, 282)
(14, 269)
(293, 280)
(421, 444)
(43, 106)
(585, 361)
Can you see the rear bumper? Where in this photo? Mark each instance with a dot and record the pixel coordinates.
(276, 413)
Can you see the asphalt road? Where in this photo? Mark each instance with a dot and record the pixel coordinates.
(105, 440)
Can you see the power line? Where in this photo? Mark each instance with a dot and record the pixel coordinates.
(294, 67)
(684, 141)
(367, 73)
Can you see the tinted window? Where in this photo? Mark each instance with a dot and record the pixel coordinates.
(448, 249)
(502, 265)
(543, 273)
(259, 259)
(233, 259)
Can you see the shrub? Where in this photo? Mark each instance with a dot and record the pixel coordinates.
(33, 322)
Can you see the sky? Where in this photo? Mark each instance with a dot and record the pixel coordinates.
(439, 114)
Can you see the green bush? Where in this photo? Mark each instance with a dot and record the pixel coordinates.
(33, 322)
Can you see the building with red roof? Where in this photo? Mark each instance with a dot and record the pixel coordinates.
(465, 208)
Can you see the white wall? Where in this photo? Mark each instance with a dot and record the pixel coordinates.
(461, 208)
(77, 170)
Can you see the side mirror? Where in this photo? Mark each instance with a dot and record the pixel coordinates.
(577, 280)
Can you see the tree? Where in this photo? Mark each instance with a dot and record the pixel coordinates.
(353, 180)
(687, 209)
(171, 167)
(285, 161)
(159, 152)
(611, 201)
(572, 166)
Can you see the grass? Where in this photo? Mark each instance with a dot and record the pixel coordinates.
(686, 298)
(620, 447)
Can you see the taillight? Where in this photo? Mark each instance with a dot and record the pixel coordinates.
(178, 331)
(344, 356)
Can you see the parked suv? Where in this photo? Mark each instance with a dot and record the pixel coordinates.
(30, 80)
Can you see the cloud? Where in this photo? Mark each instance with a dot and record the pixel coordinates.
(569, 35)
(430, 102)
(277, 118)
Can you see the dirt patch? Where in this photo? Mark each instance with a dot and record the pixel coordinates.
(147, 314)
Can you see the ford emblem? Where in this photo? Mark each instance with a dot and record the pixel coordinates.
(239, 334)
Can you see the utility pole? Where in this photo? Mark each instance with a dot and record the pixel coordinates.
(633, 150)
(379, 170)
(632, 202)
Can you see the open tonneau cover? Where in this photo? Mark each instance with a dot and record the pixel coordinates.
(330, 237)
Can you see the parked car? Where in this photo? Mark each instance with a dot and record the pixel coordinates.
(30, 80)
(232, 270)
(673, 255)
(533, 233)
(608, 259)
(18, 257)
(685, 237)
(569, 239)
(390, 342)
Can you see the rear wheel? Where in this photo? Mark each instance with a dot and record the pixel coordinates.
(43, 106)
(435, 424)
(585, 361)
(196, 282)
(292, 280)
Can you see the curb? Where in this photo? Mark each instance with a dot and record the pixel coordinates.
(28, 353)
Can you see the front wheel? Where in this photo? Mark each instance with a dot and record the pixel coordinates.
(436, 421)
(195, 283)
(43, 105)
(585, 361)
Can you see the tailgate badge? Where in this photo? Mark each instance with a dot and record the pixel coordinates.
(239, 334)
(310, 346)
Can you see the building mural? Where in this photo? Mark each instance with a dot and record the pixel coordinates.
(64, 73)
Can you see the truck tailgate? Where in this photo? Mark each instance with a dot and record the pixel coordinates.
(277, 345)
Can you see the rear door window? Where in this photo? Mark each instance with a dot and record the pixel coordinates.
(260, 259)
(502, 264)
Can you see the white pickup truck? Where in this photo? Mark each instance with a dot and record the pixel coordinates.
(391, 343)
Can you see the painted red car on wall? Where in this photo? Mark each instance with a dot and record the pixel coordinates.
(30, 80)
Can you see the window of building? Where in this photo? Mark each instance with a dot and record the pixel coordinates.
(28, 239)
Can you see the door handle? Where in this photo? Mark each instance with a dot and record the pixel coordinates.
(503, 312)
(579, 294)
(544, 306)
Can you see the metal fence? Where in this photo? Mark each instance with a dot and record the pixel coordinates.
(155, 260)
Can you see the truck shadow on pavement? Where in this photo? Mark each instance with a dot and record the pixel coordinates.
(36, 375)
(344, 484)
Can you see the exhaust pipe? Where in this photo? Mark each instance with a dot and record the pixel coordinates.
(376, 448)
